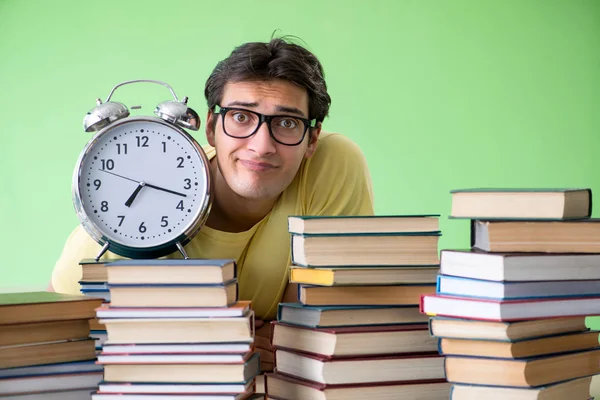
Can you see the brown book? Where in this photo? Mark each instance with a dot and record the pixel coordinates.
(128, 295)
(504, 331)
(287, 387)
(581, 236)
(183, 373)
(354, 341)
(371, 369)
(575, 389)
(522, 203)
(363, 295)
(47, 353)
(37, 332)
(180, 330)
(18, 308)
(95, 325)
(532, 372)
(385, 249)
(524, 348)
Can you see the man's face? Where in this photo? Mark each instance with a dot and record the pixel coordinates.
(258, 167)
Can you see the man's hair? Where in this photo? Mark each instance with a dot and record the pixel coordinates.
(277, 59)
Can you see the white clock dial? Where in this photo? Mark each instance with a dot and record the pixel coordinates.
(143, 183)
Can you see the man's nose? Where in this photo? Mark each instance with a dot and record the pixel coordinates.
(261, 142)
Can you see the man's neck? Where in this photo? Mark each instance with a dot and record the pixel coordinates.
(231, 212)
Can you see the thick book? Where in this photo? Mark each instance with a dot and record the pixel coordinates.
(364, 369)
(238, 309)
(363, 224)
(368, 249)
(580, 236)
(508, 310)
(363, 295)
(524, 203)
(47, 353)
(567, 343)
(152, 388)
(354, 341)
(467, 287)
(183, 373)
(38, 332)
(190, 358)
(575, 389)
(19, 387)
(171, 295)
(362, 276)
(459, 328)
(27, 307)
(335, 316)
(180, 330)
(189, 271)
(94, 271)
(516, 267)
(529, 372)
(178, 348)
(287, 387)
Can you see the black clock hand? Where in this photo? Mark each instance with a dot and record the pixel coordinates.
(134, 194)
(166, 190)
(121, 176)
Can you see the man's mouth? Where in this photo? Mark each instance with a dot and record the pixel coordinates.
(257, 165)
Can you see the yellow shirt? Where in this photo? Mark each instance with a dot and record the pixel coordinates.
(334, 181)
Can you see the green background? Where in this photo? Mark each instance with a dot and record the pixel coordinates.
(439, 94)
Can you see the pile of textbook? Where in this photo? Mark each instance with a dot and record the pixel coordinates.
(176, 330)
(356, 331)
(510, 312)
(45, 349)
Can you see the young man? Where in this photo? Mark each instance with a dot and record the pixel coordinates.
(269, 159)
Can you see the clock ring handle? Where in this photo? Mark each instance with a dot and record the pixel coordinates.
(141, 80)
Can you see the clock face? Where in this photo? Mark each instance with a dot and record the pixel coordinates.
(142, 183)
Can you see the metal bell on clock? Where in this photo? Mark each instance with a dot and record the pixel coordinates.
(178, 113)
(104, 114)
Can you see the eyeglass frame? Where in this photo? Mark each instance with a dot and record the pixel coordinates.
(308, 123)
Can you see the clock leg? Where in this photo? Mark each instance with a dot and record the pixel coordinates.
(102, 251)
(181, 250)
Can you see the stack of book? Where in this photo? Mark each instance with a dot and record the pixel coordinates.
(176, 330)
(510, 312)
(94, 283)
(45, 348)
(356, 331)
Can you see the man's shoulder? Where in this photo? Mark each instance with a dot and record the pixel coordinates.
(334, 152)
(336, 142)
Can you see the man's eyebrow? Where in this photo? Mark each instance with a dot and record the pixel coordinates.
(291, 110)
(242, 104)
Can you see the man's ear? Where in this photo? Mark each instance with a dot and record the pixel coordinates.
(313, 140)
(210, 128)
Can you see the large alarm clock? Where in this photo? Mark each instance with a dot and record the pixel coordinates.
(142, 184)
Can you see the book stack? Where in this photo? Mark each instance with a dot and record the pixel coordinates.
(356, 331)
(45, 348)
(510, 311)
(176, 330)
(94, 283)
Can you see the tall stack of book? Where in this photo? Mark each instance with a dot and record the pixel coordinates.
(510, 312)
(356, 331)
(176, 330)
(45, 348)
(94, 283)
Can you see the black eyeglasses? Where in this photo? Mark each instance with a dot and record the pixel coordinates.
(240, 123)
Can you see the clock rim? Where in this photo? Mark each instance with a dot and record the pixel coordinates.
(140, 252)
